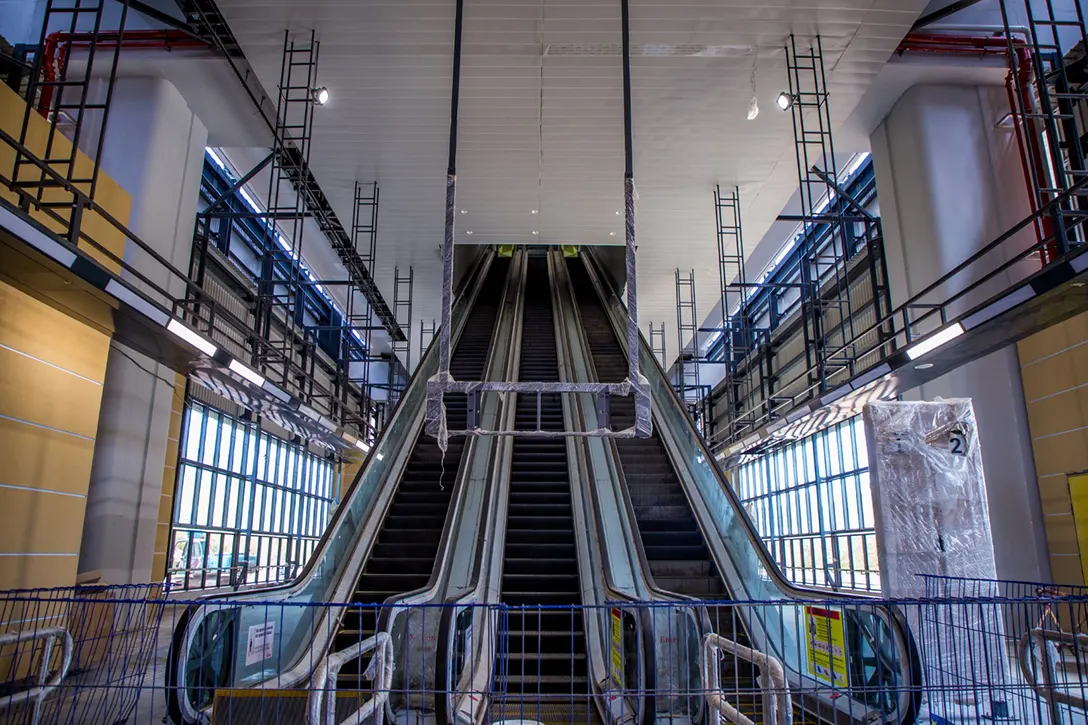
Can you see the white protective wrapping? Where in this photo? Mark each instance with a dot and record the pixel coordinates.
(931, 516)
(929, 493)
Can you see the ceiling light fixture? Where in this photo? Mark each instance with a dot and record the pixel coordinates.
(923, 366)
(535, 232)
(362, 446)
(611, 234)
(469, 232)
(785, 100)
(617, 213)
(247, 372)
(464, 211)
(320, 95)
(534, 211)
(191, 337)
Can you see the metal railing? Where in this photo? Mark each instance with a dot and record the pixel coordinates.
(978, 658)
(380, 671)
(108, 640)
(777, 706)
(48, 678)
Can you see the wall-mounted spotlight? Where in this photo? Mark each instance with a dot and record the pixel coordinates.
(785, 100)
(320, 95)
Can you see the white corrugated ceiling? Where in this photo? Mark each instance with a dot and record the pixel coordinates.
(541, 118)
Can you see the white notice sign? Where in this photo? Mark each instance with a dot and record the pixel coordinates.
(259, 645)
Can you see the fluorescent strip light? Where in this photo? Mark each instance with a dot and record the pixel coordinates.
(798, 414)
(935, 340)
(999, 306)
(362, 446)
(190, 336)
(276, 392)
(840, 392)
(247, 372)
(878, 372)
(136, 302)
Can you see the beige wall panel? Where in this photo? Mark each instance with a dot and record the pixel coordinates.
(36, 457)
(1066, 570)
(36, 522)
(32, 391)
(48, 334)
(1054, 493)
(32, 572)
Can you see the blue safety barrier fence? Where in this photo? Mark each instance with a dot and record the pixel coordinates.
(970, 651)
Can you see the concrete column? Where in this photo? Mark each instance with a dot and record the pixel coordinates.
(155, 149)
(949, 182)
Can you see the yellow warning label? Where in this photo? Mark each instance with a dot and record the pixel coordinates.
(826, 640)
(617, 648)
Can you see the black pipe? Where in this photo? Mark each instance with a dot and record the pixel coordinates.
(456, 97)
(629, 168)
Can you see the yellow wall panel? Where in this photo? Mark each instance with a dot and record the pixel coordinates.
(33, 391)
(50, 335)
(1061, 454)
(1061, 534)
(32, 572)
(1066, 569)
(33, 521)
(1048, 376)
(115, 200)
(1054, 495)
(36, 457)
(1058, 413)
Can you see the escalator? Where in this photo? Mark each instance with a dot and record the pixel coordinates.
(540, 671)
(675, 547)
(403, 556)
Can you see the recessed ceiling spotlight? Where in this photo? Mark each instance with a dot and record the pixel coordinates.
(320, 95)
(535, 232)
(617, 213)
(785, 100)
(534, 211)
(469, 232)
(464, 211)
(611, 234)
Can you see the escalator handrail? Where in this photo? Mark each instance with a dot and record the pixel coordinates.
(438, 573)
(612, 591)
(471, 594)
(193, 616)
(306, 571)
(896, 623)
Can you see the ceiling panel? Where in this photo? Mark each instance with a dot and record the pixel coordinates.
(541, 120)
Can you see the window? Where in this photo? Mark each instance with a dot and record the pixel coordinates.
(249, 507)
(811, 503)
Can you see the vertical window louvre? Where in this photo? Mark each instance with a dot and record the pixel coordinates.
(245, 499)
(811, 503)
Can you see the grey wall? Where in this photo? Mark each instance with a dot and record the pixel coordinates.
(950, 182)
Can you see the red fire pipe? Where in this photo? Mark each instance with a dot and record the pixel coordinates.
(57, 45)
(1020, 72)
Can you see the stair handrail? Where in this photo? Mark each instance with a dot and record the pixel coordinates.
(323, 686)
(45, 684)
(778, 707)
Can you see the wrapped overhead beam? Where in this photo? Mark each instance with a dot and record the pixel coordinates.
(443, 382)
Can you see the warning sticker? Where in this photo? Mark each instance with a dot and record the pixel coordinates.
(259, 643)
(617, 648)
(826, 639)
